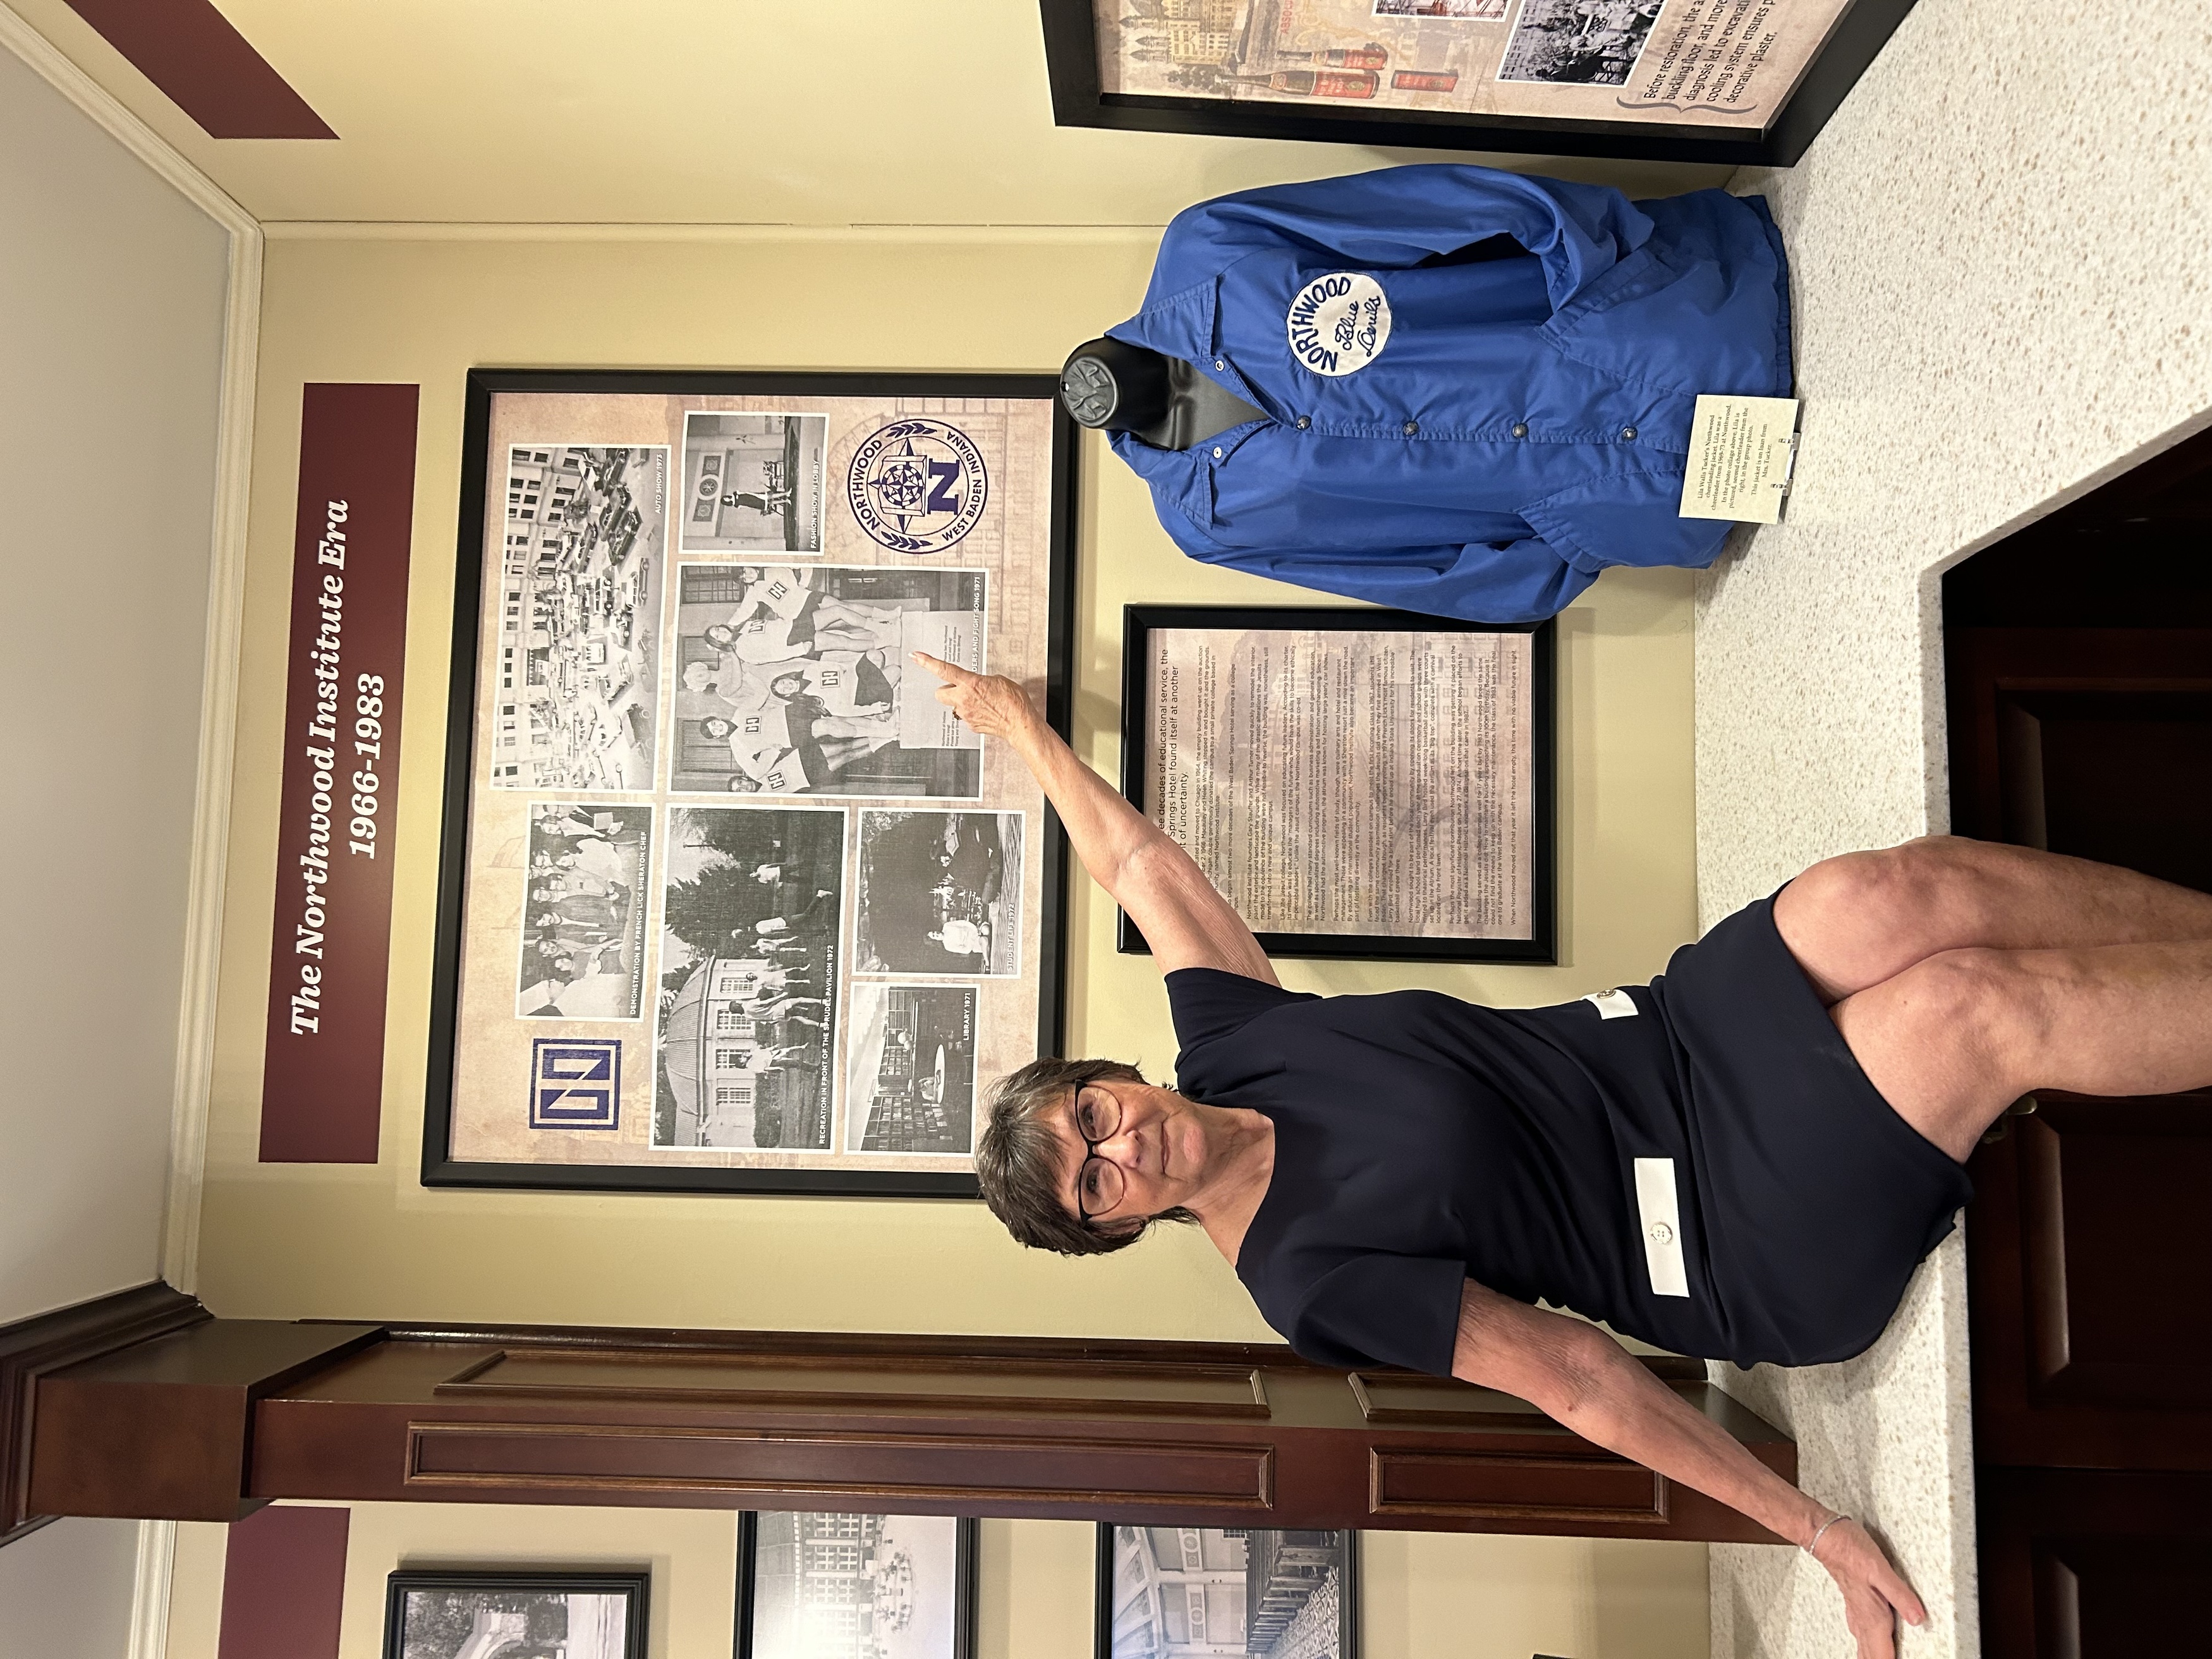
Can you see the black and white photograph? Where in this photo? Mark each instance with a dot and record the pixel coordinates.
(910, 1069)
(940, 893)
(583, 912)
(1593, 43)
(586, 1614)
(578, 672)
(753, 483)
(795, 680)
(751, 913)
(1167, 1592)
(856, 1586)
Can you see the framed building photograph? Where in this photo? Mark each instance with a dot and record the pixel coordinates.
(727, 900)
(1357, 783)
(855, 1586)
(1721, 81)
(589, 1614)
(1166, 1591)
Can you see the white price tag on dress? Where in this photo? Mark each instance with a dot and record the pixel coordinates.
(1741, 452)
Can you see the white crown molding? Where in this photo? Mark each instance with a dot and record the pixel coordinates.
(150, 1599)
(126, 128)
(210, 847)
(394, 230)
(226, 599)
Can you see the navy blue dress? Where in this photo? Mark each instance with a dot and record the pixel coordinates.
(1421, 1141)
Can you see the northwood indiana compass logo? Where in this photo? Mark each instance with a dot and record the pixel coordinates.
(918, 486)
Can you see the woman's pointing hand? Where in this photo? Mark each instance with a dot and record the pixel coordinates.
(990, 704)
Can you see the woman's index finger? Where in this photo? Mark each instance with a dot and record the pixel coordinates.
(944, 671)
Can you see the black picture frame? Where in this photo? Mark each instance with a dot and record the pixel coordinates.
(439, 1168)
(1541, 947)
(1105, 1598)
(1071, 41)
(966, 1540)
(636, 1586)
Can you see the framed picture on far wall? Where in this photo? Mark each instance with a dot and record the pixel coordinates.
(728, 901)
(855, 1586)
(1272, 1595)
(588, 1613)
(1645, 80)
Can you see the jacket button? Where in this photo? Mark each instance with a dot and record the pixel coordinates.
(1628, 434)
(1303, 423)
(1412, 426)
(1218, 452)
(1221, 362)
(1520, 428)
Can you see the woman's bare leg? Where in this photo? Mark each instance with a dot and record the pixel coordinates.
(841, 752)
(1858, 920)
(877, 728)
(1954, 1040)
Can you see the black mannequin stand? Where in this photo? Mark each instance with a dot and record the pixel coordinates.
(1115, 386)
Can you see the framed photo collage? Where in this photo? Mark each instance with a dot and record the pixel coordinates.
(728, 901)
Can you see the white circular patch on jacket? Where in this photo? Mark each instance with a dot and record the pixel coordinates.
(1339, 324)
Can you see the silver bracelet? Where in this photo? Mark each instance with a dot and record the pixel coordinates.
(1815, 1543)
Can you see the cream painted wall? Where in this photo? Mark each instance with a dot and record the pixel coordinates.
(112, 292)
(65, 1591)
(1423, 1595)
(692, 1553)
(371, 1241)
(302, 1241)
(691, 112)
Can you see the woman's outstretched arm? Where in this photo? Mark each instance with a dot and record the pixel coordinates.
(1187, 923)
(1584, 1381)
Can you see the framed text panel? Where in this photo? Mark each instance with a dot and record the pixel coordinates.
(1357, 783)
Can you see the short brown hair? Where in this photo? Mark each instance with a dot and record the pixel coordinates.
(1018, 1159)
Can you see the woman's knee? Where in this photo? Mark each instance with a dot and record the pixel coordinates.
(1855, 920)
(1890, 894)
(1945, 1043)
(1974, 1005)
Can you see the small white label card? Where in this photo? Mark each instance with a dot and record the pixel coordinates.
(1742, 451)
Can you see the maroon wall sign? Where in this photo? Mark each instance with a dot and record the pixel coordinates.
(196, 55)
(284, 1584)
(323, 1079)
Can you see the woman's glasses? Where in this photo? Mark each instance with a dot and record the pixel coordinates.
(1099, 1184)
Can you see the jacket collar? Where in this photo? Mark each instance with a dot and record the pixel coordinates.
(1179, 324)
(1182, 324)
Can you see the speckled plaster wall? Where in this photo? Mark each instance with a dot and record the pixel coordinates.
(2004, 294)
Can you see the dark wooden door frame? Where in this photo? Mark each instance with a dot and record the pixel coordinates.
(2040, 1401)
(2055, 1543)
(32, 1348)
(207, 1419)
(2078, 657)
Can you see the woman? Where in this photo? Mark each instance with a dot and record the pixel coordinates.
(844, 683)
(1744, 1160)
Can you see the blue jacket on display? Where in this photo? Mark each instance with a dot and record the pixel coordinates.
(1474, 439)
